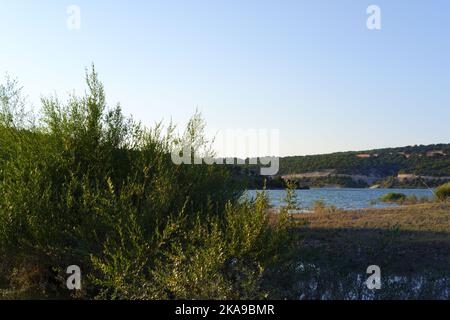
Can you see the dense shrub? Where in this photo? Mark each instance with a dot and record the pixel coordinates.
(82, 184)
(393, 197)
(443, 192)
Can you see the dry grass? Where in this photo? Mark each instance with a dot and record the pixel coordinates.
(423, 217)
(404, 239)
(410, 244)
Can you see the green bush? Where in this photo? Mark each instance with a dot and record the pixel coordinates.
(393, 197)
(443, 192)
(82, 184)
(220, 259)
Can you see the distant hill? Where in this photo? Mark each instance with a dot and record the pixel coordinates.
(424, 160)
(411, 166)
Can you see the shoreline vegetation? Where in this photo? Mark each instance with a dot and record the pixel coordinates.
(81, 184)
(254, 181)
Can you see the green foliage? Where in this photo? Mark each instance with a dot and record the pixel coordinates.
(321, 182)
(382, 162)
(228, 258)
(82, 184)
(386, 164)
(443, 192)
(393, 182)
(393, 197)
(291, 199)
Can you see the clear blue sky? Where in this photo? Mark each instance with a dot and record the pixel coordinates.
(309, 68)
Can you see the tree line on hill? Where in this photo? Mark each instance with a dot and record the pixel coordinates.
(381, 165)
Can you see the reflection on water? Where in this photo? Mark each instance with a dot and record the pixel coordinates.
(353, 287)
(344, 198)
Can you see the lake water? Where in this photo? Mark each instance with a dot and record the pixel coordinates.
(344, 198)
